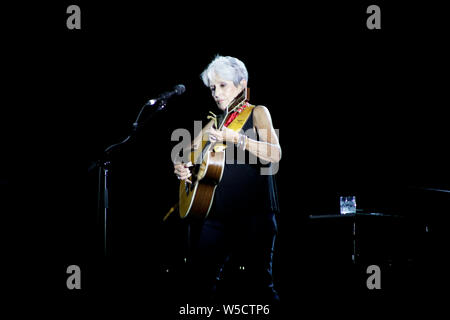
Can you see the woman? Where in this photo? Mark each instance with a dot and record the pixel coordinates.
(241, 227)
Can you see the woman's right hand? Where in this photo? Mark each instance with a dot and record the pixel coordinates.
(182, 171)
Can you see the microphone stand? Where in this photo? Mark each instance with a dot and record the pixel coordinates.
(104, 166)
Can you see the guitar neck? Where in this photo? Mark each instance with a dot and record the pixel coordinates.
(240, 99)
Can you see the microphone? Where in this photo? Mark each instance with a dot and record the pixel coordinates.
(177, 90)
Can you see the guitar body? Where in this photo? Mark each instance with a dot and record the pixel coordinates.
(196, 198)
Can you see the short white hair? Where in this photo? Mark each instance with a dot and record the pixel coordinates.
(227, 68)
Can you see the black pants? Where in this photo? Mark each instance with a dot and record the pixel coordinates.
(231, 258)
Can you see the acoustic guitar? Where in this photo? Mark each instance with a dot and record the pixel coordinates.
(195, 199)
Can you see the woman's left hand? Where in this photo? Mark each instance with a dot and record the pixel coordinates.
(223, 135)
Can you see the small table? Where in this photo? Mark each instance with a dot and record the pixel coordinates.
(374, 223)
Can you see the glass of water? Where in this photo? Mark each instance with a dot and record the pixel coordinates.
(348, 204)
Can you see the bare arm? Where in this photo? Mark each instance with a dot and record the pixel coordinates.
(268, 148)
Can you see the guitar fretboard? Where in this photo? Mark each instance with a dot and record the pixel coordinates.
(237, 102)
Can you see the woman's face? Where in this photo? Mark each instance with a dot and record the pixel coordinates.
(223, 91)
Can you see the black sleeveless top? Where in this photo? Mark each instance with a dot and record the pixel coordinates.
(248, 185)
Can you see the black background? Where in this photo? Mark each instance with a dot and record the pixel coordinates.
(358, 111)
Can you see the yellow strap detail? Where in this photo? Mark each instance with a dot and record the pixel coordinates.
(241, 119)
